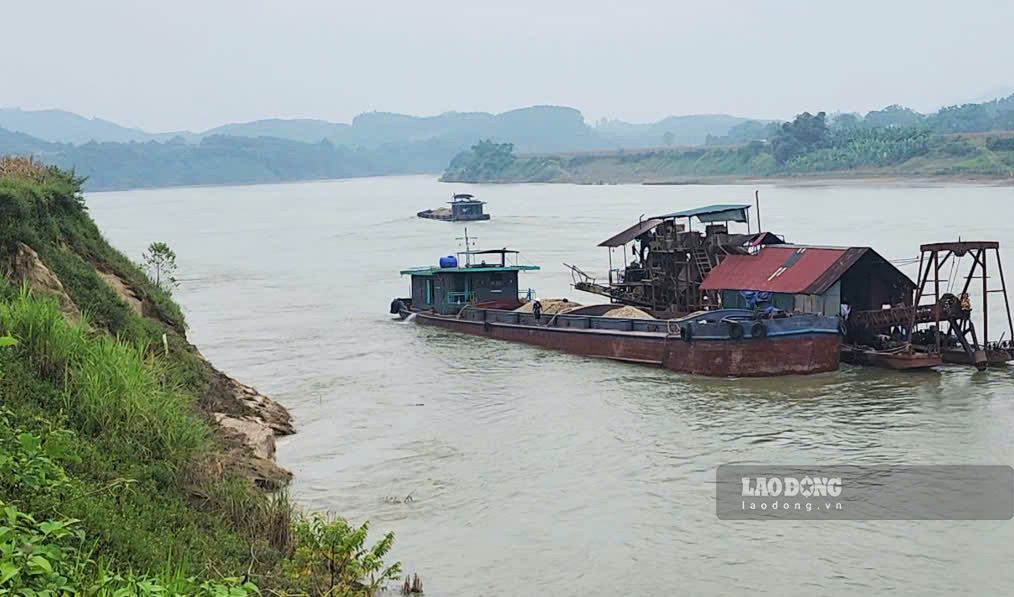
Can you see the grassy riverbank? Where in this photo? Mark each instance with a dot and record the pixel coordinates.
(115, 474)
(867, 153)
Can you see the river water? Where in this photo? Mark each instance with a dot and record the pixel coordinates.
(536, 472)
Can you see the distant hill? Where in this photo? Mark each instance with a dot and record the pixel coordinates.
(532, 129)
(538, 128)
(684, 130)
(20, 143)
(996, 93)
(307, 130)
(216, 159)
(66, 127)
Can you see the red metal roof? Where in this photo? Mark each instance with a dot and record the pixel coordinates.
(790, 269)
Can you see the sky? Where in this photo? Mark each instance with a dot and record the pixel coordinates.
(193, 65)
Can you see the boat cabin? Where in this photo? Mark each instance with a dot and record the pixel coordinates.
(467, 207)
(810, 279)
(484, 277)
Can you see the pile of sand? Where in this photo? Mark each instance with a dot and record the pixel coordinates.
(550, 306)
(441, 211)
(628, 312)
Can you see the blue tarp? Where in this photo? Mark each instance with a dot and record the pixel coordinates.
(754, 297)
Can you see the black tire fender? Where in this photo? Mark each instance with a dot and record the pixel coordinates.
(758, 330)
(686, 333)
(735, 330)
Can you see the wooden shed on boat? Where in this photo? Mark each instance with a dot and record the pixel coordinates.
(810, 279)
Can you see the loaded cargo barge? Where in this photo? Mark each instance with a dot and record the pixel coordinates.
(463, 208)
(481, 298)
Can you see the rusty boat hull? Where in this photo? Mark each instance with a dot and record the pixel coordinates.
(901, 361)
(993, 357)
(803, 344)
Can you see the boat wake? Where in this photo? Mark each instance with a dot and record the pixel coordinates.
(409, 318)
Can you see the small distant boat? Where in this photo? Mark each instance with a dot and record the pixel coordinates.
(463, 208)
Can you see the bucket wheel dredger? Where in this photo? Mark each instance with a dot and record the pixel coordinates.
(966, 337)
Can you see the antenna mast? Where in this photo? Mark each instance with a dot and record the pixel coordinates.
(756, 195)
(468, 246)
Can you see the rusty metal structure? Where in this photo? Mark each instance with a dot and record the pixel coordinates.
(961, 342)
(670, 260)
(937, 326)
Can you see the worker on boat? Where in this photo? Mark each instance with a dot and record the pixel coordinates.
(846, 310)
(643, 240)
(537, 311)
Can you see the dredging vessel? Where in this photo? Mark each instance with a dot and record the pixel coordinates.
(887, 320)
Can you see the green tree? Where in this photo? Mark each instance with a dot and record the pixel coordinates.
(485, 161)
(806, 133)
(845, 120)
(331, 558)
(1004, 120)
(160, 263)
(969, 118)
(893, 116)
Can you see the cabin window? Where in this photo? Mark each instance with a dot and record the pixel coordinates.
(496, 279)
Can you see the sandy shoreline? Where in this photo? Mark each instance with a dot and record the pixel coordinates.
(828, 180)
(800, 180)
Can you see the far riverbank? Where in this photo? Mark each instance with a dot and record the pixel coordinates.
(919, 158)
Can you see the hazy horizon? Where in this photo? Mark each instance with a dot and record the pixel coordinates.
(194, 66)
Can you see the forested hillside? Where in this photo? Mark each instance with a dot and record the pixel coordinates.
(806, 146)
